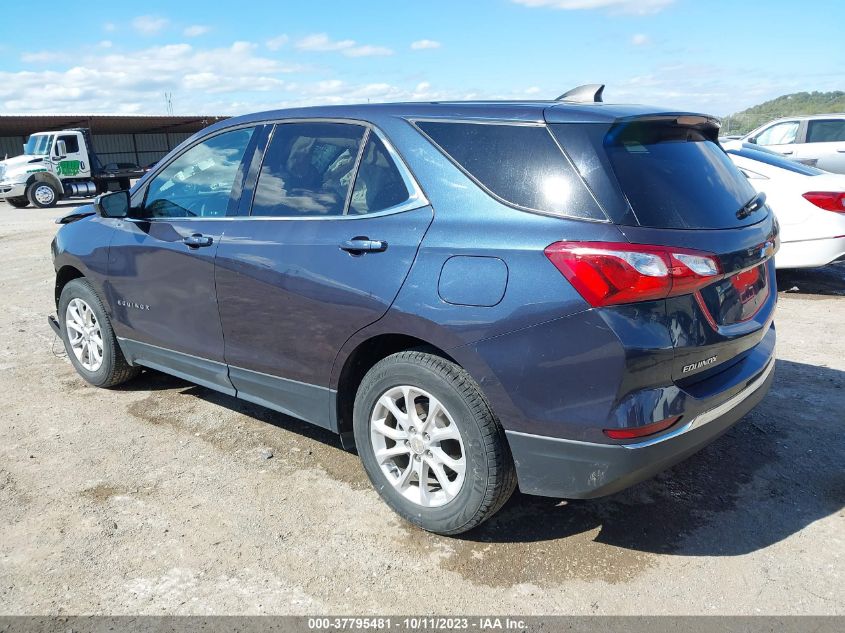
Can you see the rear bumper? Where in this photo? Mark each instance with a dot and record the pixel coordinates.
(810, 253)
(555, 467)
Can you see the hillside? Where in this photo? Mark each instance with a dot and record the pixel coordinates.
(786, 105)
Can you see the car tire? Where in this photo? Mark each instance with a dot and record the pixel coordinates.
(81, 308)
(42, 194)
(463, 433)
(18, 203)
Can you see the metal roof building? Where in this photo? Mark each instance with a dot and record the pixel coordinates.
(140, 139)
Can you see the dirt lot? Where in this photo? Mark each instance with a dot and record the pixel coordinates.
(158, 497)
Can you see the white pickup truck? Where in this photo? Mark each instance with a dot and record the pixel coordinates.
(57, 165)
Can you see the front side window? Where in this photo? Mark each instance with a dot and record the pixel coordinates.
(825, 131)
(520, 164)
(779, 134)
(308, 170)
(199, 182)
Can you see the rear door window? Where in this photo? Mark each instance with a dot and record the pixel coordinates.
(308, 170)
(378, 185)
(519, 164)
(674, 177)
(826, 131)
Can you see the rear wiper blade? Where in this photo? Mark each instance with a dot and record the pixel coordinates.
(756, 203)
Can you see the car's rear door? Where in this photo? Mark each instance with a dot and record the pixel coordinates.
(825, 145)
(160, 283)
(335, 223)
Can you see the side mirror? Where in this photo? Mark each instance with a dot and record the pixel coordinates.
(114, 204)
(753, 139)
(61, 149)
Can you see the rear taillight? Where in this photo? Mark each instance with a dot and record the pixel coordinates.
(641, 431)
(827, 200)
(610, 273)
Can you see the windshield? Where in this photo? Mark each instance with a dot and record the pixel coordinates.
(38, 145)
(769, 157)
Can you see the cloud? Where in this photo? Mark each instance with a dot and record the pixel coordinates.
(277, 42)
(41, 57)
(621, 6)
(640, 39)
(109, 27)
(149, 24)
(105, 44)
(134, 81)
(367, 51)
(320, 42)
(420, 45)
(195, 30)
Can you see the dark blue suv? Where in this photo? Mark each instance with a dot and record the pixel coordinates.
(567, 297)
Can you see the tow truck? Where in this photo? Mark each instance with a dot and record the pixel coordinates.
(56, 166)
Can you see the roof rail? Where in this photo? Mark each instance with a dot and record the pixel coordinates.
(588, 93)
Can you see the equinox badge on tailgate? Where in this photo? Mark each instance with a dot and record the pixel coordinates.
(699, 364)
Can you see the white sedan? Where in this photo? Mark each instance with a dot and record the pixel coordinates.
(809, 204)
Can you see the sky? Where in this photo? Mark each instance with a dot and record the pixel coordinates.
(216, 58)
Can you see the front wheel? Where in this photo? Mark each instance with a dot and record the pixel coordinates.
(42, 194)
(89, 339)
(430, 443)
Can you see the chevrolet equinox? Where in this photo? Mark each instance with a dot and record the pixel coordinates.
(568, 297)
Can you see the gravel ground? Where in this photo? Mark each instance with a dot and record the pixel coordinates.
(163, 498)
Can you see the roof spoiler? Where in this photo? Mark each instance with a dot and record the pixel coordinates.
(588, 93)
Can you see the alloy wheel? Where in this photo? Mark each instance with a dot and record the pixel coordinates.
(84, 335)
(418, 446)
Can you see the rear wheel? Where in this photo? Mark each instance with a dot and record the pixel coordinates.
(89, 339)
(42, 194)
(18, 203)
(430, 444)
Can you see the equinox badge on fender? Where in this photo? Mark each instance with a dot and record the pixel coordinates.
(699, 364)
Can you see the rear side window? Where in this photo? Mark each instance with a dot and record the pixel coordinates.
(674, 177)
(307, 170)
(826, 131)
(520, 164)
(378, 185)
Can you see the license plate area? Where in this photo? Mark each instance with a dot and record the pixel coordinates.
(737, 298)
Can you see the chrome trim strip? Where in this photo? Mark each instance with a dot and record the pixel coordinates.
(708, 416)
(698, 421)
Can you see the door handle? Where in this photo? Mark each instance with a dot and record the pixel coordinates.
(198, 240)
(787, 153)
(361, 245)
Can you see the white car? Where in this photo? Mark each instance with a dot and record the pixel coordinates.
(809, 204)
(813, 139)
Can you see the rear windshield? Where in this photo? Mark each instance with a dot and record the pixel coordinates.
(676, 177)
(776, 160)
(519, 164)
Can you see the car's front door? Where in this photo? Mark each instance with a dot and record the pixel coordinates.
(335, 224)
(161, 260)
(779, 137)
